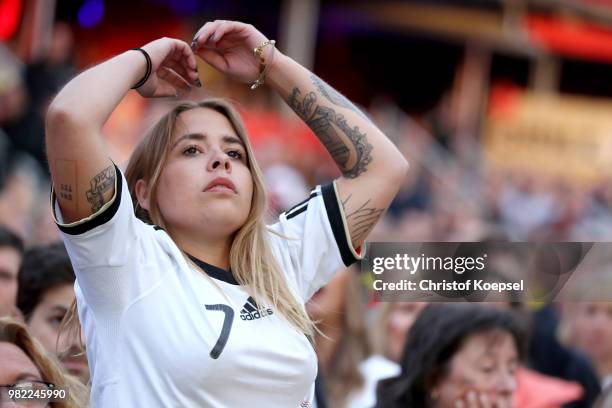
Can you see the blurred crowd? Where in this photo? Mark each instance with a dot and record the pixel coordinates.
(384, 354)
(452, 194)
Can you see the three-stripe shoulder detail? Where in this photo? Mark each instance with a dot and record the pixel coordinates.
(300, 207)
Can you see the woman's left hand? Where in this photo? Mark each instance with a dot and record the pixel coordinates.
(228, 47)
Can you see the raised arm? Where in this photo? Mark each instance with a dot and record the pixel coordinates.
(82, 173)
(372, 167)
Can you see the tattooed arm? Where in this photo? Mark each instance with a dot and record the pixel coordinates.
(372, 168)
(83, 175)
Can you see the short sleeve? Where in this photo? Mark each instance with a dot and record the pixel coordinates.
(109, 251)
(312, 242)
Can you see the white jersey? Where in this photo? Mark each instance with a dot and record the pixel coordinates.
(160, 333)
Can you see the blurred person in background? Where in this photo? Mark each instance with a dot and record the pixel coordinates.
(549, 356)
(25, 92)
(21, 142)
(396, 319)
(144, 292)
(46, 292)
(26, 364)
(533, 389)
(596, 221)
(588, 326)
(605, 399)
(525, 206)
(457, 355)
(19, 121)
(11, 256)
(350, 369)
(13, 99)
(20, 198)
(47, 73)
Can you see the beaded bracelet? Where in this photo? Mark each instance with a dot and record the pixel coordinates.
(263, 66)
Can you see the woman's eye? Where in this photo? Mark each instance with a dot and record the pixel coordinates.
(487, 369)
(191, 150)
(56, 320)
(234, 154)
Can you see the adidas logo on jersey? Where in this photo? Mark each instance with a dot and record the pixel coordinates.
(250, 310)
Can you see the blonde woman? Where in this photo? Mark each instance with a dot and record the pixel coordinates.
(185, 296)
(27, 366)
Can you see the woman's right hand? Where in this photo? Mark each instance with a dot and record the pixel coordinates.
(173, 69)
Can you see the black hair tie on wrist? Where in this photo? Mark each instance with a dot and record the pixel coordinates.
(145, 78)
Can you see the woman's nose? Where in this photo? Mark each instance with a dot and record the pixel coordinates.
(506, 384)
(220, 161)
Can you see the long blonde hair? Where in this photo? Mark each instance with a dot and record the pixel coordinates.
(49, 368)
(251, 260)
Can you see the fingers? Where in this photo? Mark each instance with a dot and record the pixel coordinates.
(171, 84)
(204, 34)
(223, 28)
(182, 61)
(213, 31)
(174, 79)
(213, 58)
(190, 76)
(485, 401)
(182, 52)
(474, 400)
(502, 403)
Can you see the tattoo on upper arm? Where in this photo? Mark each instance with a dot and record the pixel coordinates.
(348, 146)
(65, 191)
(65, 186)
(101, 184)
(361, 220)
(334, 96)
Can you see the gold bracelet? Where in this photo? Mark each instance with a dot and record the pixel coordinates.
(263, 66)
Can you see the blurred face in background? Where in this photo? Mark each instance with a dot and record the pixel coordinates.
(10, 261)
(16, 365)
(45, 323)
(485, 364)
(590, 325)
(401, 318)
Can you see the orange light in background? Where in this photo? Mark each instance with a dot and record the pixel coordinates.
(10, 15)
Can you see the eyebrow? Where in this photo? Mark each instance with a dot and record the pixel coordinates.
(202, 137)
(28, 376)
(58, 308)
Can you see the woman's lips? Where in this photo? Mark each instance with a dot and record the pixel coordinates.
(220, 189)
(221, 185)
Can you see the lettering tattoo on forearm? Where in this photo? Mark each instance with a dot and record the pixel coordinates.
(361, 220)
(334, 96)
(101, 184)
(348, 146)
